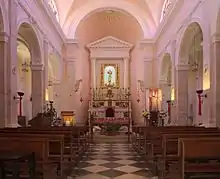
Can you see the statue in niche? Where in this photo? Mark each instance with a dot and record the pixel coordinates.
(109, 76)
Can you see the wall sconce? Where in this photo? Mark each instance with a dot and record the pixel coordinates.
(25, 66)
(19, 97)
(81, 99)
(200, 96)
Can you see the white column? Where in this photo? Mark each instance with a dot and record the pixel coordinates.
(3, 78)
(182, 94)
(148, 71)
(126, 72)
(93, 71)
(37, 88)
(166, 93)
(12, 112)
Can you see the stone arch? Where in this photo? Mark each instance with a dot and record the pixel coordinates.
(217, 22)
(190, 58)
(3, 20)
(192, 30)
(166, 68)
(125, 7)
(33, 97)
(30, 34)
(182, 34)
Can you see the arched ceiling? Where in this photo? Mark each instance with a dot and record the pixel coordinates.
(151, 8)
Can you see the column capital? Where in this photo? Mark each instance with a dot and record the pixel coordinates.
(3, 37)
(216, 38)
(92, 58)
(182, 67)
(147, 60)
(163, 82)
(72, 60)
(37, 67)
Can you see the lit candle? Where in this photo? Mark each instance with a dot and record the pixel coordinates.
(67, 123)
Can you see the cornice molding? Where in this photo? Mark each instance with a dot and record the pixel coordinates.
(182, 67)
(4, 37)
(37, 67)
(216, 38)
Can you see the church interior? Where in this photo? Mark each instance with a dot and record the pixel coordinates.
(100, 89)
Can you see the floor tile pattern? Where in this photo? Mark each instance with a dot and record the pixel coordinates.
(105, 161)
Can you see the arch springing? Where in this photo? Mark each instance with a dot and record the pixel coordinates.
(53, 7)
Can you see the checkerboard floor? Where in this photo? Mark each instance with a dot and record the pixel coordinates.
(106, 161)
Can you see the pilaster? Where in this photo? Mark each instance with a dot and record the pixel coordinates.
(3, 78)
(126, 73)
(182, 94)
(37, 88)
(12, 67)
(93, 72)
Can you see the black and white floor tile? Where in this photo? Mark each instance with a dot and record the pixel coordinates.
(106, 161)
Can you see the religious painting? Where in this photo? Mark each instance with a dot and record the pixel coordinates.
(109, 75)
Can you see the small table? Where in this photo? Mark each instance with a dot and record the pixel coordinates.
(16, 158)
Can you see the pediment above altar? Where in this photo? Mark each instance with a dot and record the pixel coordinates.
(110, 42)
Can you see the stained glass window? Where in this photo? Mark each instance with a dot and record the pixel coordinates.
(110, 76)
(54, 8)
(166, 8)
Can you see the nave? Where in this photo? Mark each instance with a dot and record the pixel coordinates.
(111, 160)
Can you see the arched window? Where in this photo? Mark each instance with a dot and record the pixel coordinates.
(54, 8)
(166, 8)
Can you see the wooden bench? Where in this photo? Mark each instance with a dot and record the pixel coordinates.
(199, 157)
(16, 144)
(158, 149)
(76, 140)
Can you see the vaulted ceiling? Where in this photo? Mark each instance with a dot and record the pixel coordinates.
(152, 8)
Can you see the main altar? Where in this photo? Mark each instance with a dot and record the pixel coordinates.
(110, 103)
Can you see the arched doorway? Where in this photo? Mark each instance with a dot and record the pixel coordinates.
(30, 70)
(190, 78)
(166, 83)
(24, 77)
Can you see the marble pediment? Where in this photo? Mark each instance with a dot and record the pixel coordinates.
(109, 42)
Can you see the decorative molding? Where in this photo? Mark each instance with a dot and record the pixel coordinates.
(4, 37)
(37, 67)
(110, 42)
(182, 67)
(216, 38)
(109, 47)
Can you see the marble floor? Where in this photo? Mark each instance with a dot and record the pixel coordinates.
(108, 160)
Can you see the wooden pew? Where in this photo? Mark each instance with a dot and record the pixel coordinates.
(25, 144)
(199, 157)
(76, 139)
(154, 145)
(170, 148)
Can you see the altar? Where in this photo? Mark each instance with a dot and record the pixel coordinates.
(110, 103)
(110, 106)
